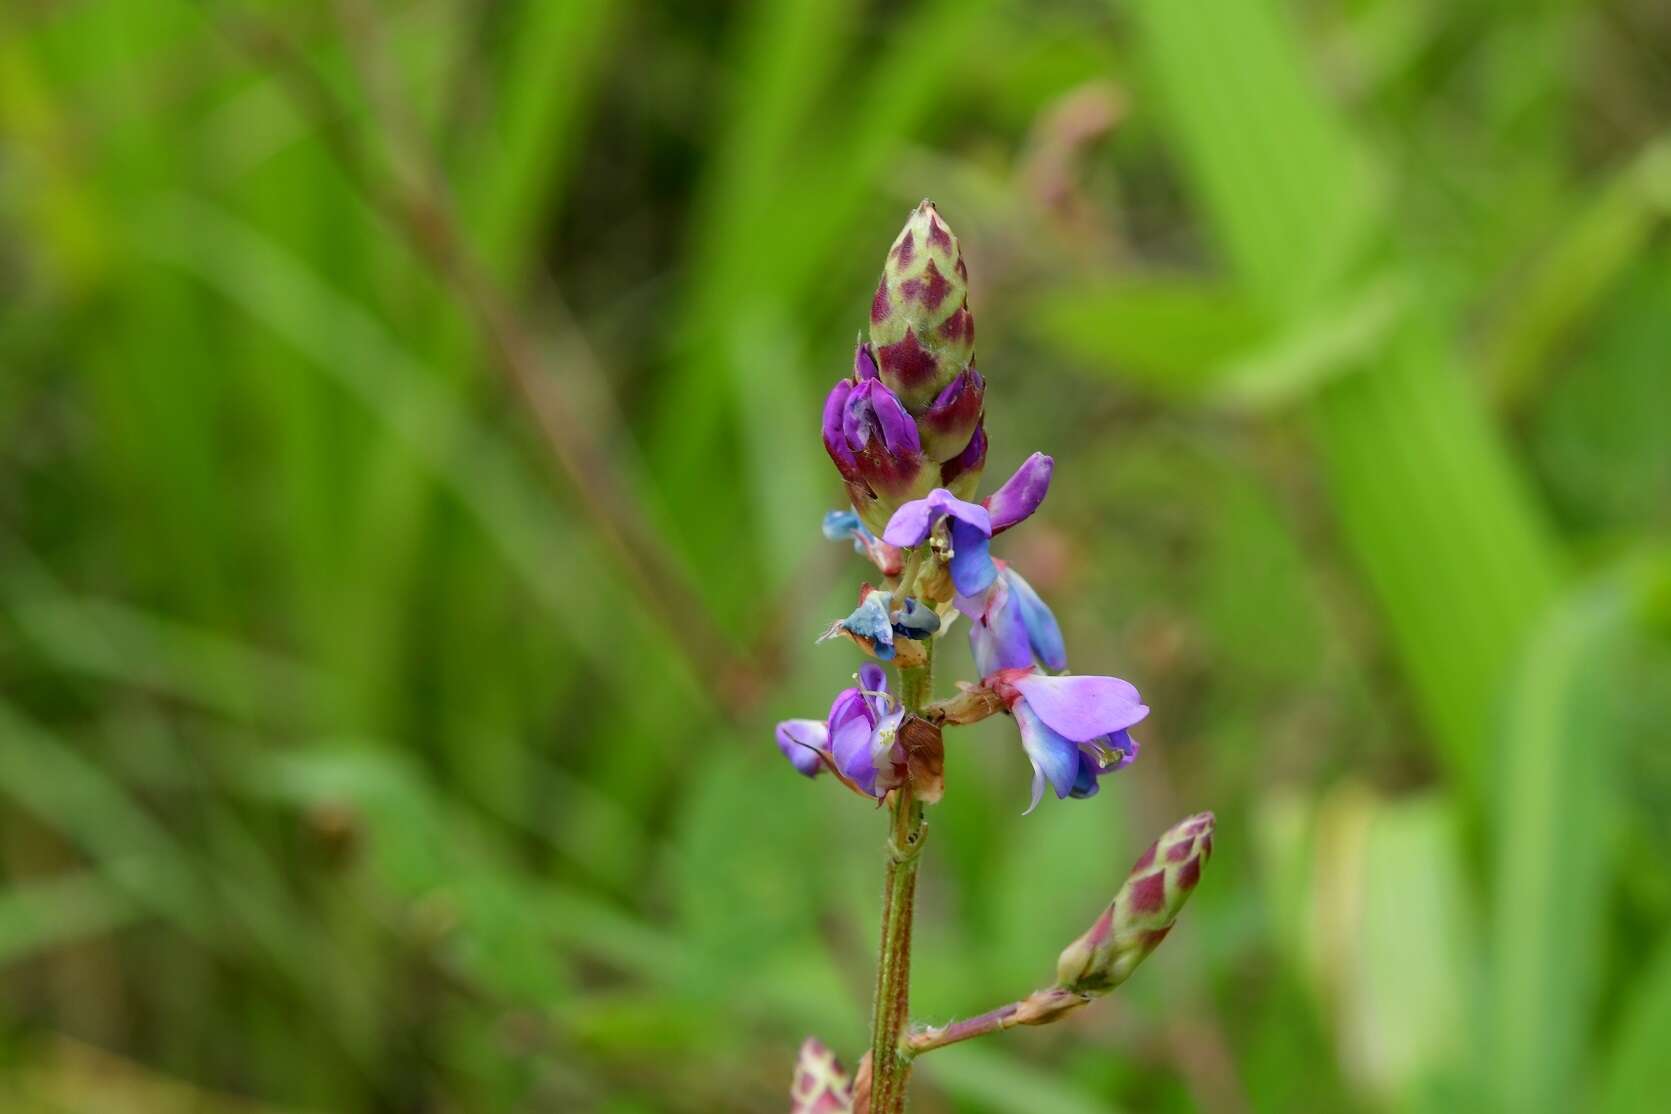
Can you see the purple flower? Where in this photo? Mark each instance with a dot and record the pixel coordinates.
(875, 446)
(859, 738)
(863, 725)
(969, 529)
(871, 438)
(1021, 494)
(1010, 627)
(1074, 729)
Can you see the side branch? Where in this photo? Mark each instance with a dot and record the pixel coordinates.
(1039, 1008)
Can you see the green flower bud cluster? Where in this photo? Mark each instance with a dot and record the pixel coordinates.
(920, 325)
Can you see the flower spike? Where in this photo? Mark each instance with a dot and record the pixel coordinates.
(1142, 913)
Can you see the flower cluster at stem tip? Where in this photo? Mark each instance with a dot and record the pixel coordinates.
(906, 431)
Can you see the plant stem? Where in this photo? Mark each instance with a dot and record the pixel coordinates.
(889, 1069)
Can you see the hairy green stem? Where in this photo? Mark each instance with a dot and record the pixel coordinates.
(890, 1069)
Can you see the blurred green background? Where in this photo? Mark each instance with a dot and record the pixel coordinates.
(409, 489)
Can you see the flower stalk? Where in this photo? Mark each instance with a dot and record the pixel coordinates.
(1039, 1008)
(889, 1069)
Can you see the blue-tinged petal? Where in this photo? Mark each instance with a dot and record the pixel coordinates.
(1044, 635)
(840, 525)
(1101, 757)
(870, 621)
(1086, 784)
(1038, 790)
(801, 740)
(1082, 708)
(972, 568)
(916, 620)
(1126, 747)
(998, 638)
(1056, 757)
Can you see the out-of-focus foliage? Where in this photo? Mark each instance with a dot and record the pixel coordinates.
(347, 764)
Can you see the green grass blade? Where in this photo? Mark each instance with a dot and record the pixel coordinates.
(1557, 760)
(41, 915)
(1584, 261)
(1639, 1073)
(513, 175)
(345, 341)
(1428, 500)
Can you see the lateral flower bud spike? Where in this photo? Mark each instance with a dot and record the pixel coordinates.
(820, 1085)
(1142, 913)
(920, 323)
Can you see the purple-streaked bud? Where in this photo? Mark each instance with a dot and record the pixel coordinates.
(1142, 913)
(875, 421)
(876, 448)
(949, 424)
(820, 1085)
(1021, 494)
(920, 325)
(962, 473)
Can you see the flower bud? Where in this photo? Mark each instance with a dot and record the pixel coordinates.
(961, 475)
(820, 1085)
(919, 319)
(1142, 913)
(876, 448)
(949, 423)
